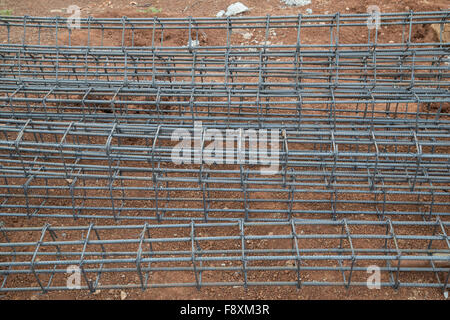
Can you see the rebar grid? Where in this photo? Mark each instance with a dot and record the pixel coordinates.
(233, 83)
(116, 170)
(237, 253)
(194, 28)
(362, 124)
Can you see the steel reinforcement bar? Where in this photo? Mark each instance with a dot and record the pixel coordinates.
(47, 31)
(123, 171)
(294, 253)
(354, 129)
(269, 83)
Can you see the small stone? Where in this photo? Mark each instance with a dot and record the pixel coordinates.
(97, 292)
(69, 180)
(296, 2)
(309, 11)
(123, 295)
(132, 3)
(56, 11)
(446, 294)
(347, 9)
(290, 263)
(247, 35)
(193, 43)
(220, 14)
(236, 8)
(270, 233)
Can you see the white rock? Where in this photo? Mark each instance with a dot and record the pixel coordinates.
(194, 43)
(235, 9)
(308, 11)
(296, 2)
(247, 35)
(123, 295)
(220, 14)
(446, 294)
(56, 11)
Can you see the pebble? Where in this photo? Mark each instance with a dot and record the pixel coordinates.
(56, 11)
(297, 2)
(236, 8)
(290, 263)
(309, 11)
(194, 43)
(123, 295)
(247, 35)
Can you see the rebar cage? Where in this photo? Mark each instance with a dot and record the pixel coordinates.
(362, 121)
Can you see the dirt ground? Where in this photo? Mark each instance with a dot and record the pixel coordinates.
(199, 8)
(208, 8)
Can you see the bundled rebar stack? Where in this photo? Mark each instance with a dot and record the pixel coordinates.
(359, 141)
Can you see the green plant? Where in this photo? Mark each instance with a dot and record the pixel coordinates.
(5, 12)
(151, 10)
